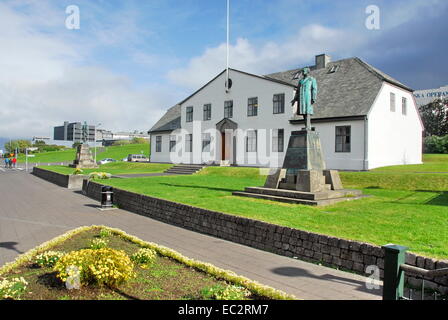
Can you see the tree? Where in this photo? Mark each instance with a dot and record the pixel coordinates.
(435, 117)
(20, 145)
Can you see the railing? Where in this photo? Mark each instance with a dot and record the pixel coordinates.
(394, 270)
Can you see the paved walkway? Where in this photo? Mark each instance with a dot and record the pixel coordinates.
(33, 211)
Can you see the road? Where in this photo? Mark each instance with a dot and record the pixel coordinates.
(33, 211)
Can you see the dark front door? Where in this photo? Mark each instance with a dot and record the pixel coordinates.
(223, 146)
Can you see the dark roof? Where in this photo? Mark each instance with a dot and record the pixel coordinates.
(169, 122)
(350, 91)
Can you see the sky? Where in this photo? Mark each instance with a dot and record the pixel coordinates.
(129, 61)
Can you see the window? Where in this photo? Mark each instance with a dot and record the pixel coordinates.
(343, 134)
(189, 114)
(189, 143)
(158, 143)
(228, 109)
(392, 102)
(279, 103)
(207, 112)
(252, 107)
(206, 139)
(251, 141)
(278, 140)
(404, 106)
(172, 143)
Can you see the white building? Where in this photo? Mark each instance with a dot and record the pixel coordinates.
(365, 119)
(424, 97)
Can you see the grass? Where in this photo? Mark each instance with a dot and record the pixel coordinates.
(164, 279)
(114, 152)
(116, 168)
(431, 163)
(406, 209)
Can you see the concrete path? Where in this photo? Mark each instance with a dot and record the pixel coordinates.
(33, 211)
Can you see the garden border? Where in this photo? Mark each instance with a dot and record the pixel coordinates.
(208, 268)
(70, 181)
(335, 252)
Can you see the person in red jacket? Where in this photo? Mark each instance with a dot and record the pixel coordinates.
(14, 162)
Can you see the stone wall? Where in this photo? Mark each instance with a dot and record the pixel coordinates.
(63, 180)
(335, 252)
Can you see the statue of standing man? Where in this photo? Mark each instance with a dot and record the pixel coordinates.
(306, 96)
(85, 132)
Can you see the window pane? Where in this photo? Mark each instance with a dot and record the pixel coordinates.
(343, 139)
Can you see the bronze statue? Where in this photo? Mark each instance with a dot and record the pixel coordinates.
(306, 96)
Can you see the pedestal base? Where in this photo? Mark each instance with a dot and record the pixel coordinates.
(84, 159)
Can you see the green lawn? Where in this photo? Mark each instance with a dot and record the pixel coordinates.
(116, 168)
(431, 163)
(410, 210)
(117, 153)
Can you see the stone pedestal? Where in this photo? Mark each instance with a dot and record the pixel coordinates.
(304, 152)
(84, 159)
(303, 178)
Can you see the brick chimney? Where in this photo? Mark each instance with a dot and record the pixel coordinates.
(322, 61)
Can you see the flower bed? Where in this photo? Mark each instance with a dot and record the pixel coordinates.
(68, 267)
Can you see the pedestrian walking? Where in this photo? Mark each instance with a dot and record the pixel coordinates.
(6, 162)
(14, 162)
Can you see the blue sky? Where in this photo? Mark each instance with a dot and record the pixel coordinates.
(131, 60)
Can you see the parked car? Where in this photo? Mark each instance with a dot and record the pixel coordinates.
(124, 159)
(107, 160)
(137, 158)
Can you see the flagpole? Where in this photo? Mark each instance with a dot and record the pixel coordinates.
(228, 39)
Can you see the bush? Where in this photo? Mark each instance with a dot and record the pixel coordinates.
(121, 142)
(78, 171)
(103, 266)
(219, 292)
(12, 289)
(436, 144)
(99, 175)
(144, 256)
(98, 244)
(48, 258)
(104, 233)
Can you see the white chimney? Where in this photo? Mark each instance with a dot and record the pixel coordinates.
(322, 61)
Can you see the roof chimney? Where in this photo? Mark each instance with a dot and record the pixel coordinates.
(322, 61)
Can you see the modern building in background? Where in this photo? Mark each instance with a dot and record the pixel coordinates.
(73, 132)
(423, 97)
(365, 118)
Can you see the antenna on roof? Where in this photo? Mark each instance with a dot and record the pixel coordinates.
(228, 80)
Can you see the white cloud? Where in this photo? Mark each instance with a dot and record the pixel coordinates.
(44, 80)
(297, 50)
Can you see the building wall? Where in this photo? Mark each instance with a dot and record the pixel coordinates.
(244, 87)
(394, 138)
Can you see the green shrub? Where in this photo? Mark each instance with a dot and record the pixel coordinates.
(436, 144)
(48, 258)
(78, 171)
(99, 175)
(104, 233)
(98, 244)
(230, 292)
(144, 256)
(103, 266)
(13, 288)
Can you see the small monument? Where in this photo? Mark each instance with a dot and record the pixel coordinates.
(303, 178)
(84, 159)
